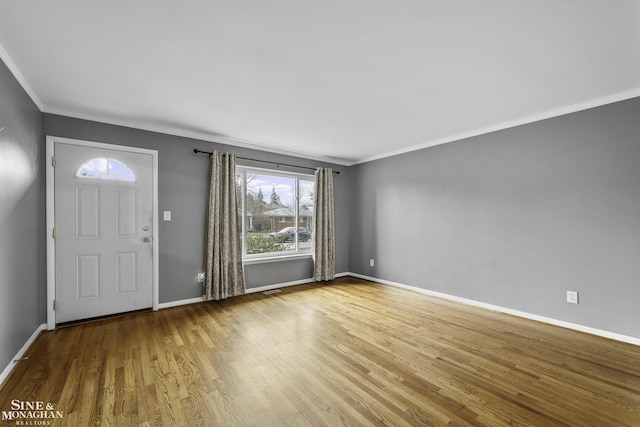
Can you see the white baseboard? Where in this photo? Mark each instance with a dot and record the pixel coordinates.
(247, 291)
(548, 320)
(180, 302)
(278, 285)
(284, 285)
(21, 352)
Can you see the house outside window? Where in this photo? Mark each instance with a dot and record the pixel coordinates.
(277, 212)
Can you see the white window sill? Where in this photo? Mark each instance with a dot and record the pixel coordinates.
(278, 258)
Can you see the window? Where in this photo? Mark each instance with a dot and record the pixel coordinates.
(276, 210)
(103, 168)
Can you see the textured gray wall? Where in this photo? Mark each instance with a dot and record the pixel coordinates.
(514, 218)
(183, 190)
(22, 254)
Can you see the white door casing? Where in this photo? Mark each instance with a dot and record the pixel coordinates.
(104, 257)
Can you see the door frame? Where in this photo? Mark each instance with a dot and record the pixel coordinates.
(51, 247)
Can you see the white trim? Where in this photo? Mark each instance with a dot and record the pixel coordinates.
(278, 285)
(610, 99)
(574, 108)
(294, 283)
(249, 291)
(202, 136)
(548, 320)
(276, 258)
(51, 243)
(180, 302)
(155, 287)
(4, 56)
(50, 204)
(275, 172)
(13, 362)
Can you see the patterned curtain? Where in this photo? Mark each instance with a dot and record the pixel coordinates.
(324, 260)
(224, 273)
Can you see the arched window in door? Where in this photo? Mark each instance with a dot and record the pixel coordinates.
(104, 168)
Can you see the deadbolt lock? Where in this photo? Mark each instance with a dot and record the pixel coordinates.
(145, 228)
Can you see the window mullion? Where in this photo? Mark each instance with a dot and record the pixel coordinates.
(296, 212)
(244, 213)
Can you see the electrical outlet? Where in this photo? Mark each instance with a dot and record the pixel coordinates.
(572, 297)
(372, 263)
(201, 277)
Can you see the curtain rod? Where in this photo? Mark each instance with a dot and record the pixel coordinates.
(195, 150)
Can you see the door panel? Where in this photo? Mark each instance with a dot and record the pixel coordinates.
(125, 273)
(87, 212)
(87, 280)
(125, 212)
(103, 219)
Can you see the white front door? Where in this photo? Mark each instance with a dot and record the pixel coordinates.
(103, 210)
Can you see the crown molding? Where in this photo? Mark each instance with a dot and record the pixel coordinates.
(6, 58)
(609, 99)
(202, 136)
(574, 108)
(22, 81)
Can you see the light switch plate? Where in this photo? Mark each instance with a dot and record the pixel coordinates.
(166, 215)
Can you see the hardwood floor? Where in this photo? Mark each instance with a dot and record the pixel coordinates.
(347, 353)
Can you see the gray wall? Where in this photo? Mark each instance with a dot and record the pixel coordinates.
(514, 218)
(183, 190)
(22, 262)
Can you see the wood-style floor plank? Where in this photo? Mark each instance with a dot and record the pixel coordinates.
(350, 353)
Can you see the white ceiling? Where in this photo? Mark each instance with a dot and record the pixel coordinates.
(340, 80)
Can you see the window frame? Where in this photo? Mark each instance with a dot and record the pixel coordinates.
(297, 252)
(124, 174)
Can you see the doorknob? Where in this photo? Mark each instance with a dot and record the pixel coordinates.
(146, 239)
(145, 228)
